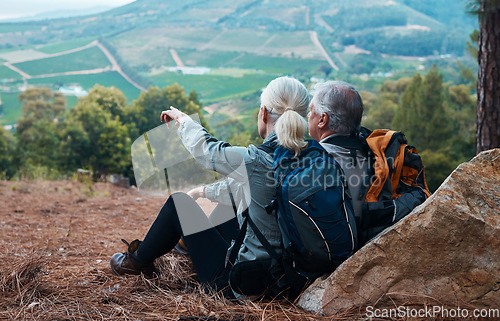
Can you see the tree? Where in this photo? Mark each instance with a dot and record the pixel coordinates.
(423, 115)
(380, 110)
(7, 149)
(230, 128)
(37, 129)
(488, 85)
(326, 69)
(471, 45)
(41, 103)
(144, 114)
(462, 112)
(74, 146)
(94, 137)
(113, 154)
(111, 99)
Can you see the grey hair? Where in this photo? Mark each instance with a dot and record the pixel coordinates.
(342, 103)
(287, 100)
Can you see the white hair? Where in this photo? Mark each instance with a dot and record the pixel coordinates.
(287, 100)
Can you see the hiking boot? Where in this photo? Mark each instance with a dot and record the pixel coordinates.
(127, 263)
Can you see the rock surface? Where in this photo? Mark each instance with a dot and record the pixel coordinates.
(446, 252)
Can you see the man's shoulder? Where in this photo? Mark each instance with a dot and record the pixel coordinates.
(345, 158)
(335, 149)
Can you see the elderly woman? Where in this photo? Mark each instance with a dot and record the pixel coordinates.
(251, 185)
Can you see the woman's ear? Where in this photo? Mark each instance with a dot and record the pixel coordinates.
(265, 114)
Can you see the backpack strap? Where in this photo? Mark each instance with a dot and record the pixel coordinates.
(236, 247)
(237, 243)
(282, 268)
(262, 239)
(275, 268)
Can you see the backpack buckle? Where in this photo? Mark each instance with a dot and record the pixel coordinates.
(271, 207)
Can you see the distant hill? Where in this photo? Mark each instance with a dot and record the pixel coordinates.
(60, 14)
(226, 49)
(390, 21)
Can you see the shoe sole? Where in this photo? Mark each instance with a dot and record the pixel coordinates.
(113, 270)
(153, 275)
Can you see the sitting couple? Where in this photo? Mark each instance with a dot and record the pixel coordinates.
(335, 109)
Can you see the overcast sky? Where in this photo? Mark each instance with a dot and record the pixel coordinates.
(21, 8)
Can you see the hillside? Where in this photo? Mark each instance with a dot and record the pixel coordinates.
(227, 49)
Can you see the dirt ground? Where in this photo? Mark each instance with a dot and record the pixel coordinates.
(56, 242)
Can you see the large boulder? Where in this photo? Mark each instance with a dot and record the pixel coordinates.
(447, 251)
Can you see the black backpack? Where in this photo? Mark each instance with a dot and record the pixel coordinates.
(397, 178)
(316, 220)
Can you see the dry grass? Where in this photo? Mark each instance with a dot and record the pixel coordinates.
(29, 293)
(56, 240)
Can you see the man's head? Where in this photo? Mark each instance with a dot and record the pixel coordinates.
(336, 107)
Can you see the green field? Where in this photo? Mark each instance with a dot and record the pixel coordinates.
(231, 59)
(7, 73)
(289, 16)
(11, 109)
(136, 45)
(215, 87)
(202, 14)
(378, 67)
(155, 58)
(91, 58)
(18, 27)
(241, 40)
(291, 39)
(161, 37)
(280, 65)
(106, 79)
(133, 43)
(194, 36)
(206, 58)
(67, 45)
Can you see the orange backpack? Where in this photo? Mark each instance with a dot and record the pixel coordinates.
(397, 161)
(397, 178)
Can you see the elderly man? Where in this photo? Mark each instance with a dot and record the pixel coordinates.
(335, 114)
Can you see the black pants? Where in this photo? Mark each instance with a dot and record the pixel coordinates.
(207, 248)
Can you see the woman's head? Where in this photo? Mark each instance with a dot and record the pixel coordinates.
(286, 101)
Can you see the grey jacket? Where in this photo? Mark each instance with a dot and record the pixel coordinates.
(250, 180)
